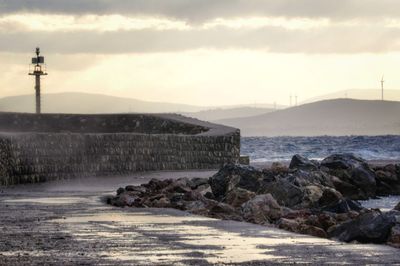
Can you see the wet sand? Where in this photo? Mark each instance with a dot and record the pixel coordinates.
(68, 223)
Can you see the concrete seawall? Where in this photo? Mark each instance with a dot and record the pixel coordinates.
(59, 146)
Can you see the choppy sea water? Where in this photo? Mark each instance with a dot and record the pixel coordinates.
(265, 149)
(385, 204)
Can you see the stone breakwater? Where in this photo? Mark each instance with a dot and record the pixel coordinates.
(308, 197)
(50, 147)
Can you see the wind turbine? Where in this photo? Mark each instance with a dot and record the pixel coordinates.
(382, 83)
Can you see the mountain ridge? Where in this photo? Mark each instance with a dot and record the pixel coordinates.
(329, 117)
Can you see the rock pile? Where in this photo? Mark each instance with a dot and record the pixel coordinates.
(308, 197)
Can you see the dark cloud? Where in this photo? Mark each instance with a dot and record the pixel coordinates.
(274, 39)
(201, 10)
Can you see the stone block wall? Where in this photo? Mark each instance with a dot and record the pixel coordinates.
(31, 157)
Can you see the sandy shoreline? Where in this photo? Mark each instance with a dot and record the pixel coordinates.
(66, 222)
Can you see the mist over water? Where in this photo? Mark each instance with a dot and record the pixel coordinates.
(266, 149)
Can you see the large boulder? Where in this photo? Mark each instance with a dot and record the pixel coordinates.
(235, 176)
(343, 206)
(330, 196)
(352, 170)
(303, 178)
(311, 196)
(285, 192)
(397, 208)
(237, 196)
(262, 209)
(300, 162)
(370, 227)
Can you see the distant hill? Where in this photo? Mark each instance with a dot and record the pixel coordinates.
(331, 117)
(220, 113)
(76, 102)
(358, 94)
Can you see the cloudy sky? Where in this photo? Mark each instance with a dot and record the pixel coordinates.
(203, 52)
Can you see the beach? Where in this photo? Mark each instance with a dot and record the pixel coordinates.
(68, 222)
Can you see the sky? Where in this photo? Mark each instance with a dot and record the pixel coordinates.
(201, 52)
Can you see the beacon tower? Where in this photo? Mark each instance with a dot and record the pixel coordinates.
(38, 70)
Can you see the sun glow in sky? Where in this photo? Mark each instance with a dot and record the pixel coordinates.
(205, 52)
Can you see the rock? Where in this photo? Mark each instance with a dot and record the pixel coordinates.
(262, 209)
(237, 196)
(330, 196)
(298, 226)
(343, 206)
(209, 195)
(394, 237)
(277, 168)
(312, 195)
(235, 176)
(353, 170)
(177, 200)
(312, 230)
(156, 184)
(326, 220)
(388, 180)
(364, 178)
(392, 168)
(120, 191)
(346, 216)
(180, 185)
(370, 227)
(397, 208)
(285, 193)
(197, 182)
(304, 178)
(224, 211)
(342, 161)
(386, 176)
(197, 207)
(193, 195)
(384, 189)
(300, 162)
(297, 214)
(289, 225)
(162, 202)
(138, 189)
(125, 199)
(346, 189)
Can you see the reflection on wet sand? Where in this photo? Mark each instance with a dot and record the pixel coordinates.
(182, 237)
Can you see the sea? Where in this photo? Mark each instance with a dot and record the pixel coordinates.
(282, 149)
(272, 149)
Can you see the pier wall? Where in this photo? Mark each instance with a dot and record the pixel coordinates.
(52, 147)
